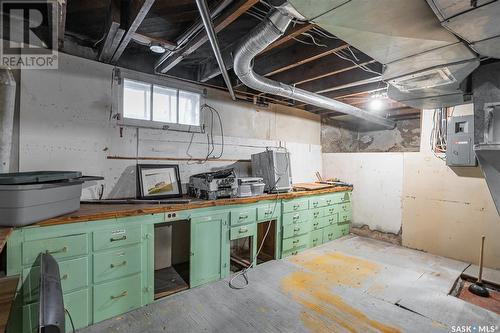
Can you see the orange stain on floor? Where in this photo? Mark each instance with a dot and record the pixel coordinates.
(324, 311)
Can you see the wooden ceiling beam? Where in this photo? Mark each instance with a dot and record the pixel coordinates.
(292, 33)
(234, 11)
(145, 39)
(61, 13)
(114, 32)
(342, 79)
(138, 9)
(210, 68)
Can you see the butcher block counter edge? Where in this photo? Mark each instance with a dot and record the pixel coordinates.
(96, 212)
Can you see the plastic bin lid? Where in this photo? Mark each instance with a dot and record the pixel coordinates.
(35, 177)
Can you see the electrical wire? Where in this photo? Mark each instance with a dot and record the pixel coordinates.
(70, 319)
(210, 137)
(243, 272)
(341, 54)
(313, 39)
(438, 138)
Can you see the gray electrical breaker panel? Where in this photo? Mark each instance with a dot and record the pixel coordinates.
(460, 141)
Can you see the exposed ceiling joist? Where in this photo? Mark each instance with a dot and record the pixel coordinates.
(210, 69)
(138, 9)
(294, 32)
(145, 39)
(307, 60)
(114, 32)
(226, 18)
(355, 76)
(61, 12)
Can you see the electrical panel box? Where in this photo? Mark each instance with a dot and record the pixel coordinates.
(460, 141)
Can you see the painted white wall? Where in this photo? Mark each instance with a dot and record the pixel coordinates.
(65, 125)
(440, 209)
(378, 185)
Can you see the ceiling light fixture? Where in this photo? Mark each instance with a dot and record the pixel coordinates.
(157, 48)
(377, 102)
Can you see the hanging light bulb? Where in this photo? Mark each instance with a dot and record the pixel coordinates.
(377, 102)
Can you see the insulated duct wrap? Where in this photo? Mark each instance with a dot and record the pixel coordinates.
(269, 30)
(7, 102)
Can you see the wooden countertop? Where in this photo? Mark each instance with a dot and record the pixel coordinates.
(8, 286)
(94, 212)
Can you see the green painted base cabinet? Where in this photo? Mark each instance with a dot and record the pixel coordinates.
(107, 267)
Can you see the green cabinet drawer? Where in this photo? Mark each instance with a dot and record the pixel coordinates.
(58, 247)
(296, 217)
(292, 230)
(243, 215)
(243, 231)
(295, 205)
(317, 202)
(344, 229)
(117, 263)
(317, 213)
(294, 251)
(345, 212)
(329, 220)
(295, 242)
(268, 212)
(339, 197)
(73, 272)
(77, 304)
(345, 216)
(331, 232)
(116, 237)
(316, 238)
(332, 210)
(116, 297)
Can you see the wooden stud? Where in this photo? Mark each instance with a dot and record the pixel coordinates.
(114, 34)
(137, 12)
(168, 61)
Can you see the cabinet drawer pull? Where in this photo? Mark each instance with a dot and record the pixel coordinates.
(296, 241)
(296, 216)
(328, 201)
(296, 229)
(315, 224)
(296, 206)
(64, 249)
(267, 212)
(295, 253)
(123, 294)
(123, 263)
(243, 230)
(242, 217)
(124, 237)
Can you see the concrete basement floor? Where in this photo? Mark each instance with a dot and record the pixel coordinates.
(353, 284)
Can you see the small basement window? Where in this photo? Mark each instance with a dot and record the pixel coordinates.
(156, 106)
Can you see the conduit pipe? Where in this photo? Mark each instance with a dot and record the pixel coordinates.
(7, 102)
(269, 30)
(212, 37)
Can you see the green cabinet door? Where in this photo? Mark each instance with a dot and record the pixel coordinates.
(208, 238)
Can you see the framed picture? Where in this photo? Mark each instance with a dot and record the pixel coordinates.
(157, 181)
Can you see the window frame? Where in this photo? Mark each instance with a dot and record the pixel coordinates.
(122, 75)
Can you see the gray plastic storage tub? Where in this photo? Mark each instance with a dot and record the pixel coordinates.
(21, 205)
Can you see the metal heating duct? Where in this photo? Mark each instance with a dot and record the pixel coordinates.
(269, 30)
